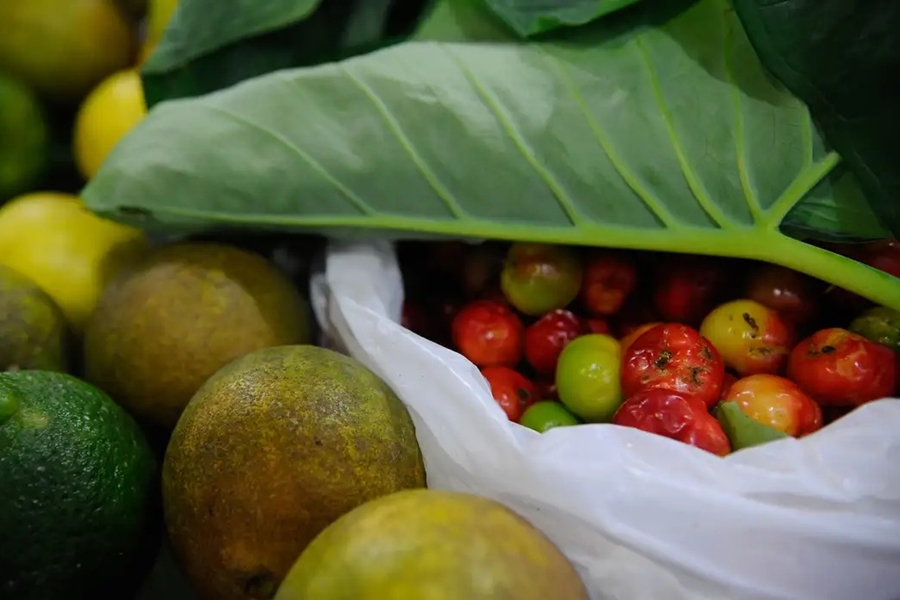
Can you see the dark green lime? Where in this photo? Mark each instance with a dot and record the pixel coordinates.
(78, 501)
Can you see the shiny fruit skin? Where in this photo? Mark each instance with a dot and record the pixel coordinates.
(836, 367)
(674, 415)
(587, 377)
(542, 416)
(488, 333)
(776, 402)
(751, 338)
(607, 282)
(673, 357)
(538, 278)
(512, 390)
(70, 252)
(110, 111)
(688, 287)
(635, 333)
(791, 293)
(546, 338)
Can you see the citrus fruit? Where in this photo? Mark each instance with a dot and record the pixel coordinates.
(78, 484)
(33, 331)
(24, 138)
(63, 48)
(110, 111)
(432, 544)
(587, 377)
(71, 253)
(159, 13)
(270, 451)
(163, 329)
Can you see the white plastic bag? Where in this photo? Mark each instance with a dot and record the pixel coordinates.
(642, 517)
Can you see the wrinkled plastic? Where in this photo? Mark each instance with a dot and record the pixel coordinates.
(642, 517)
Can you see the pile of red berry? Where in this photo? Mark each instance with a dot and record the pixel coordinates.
(670, 344)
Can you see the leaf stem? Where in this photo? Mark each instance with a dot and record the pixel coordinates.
(877, 286)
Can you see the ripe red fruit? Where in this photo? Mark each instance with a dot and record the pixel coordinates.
(884, 256)
(687, 287)
(839, 368)
(674, 415)
(488, 333)
(608, 280)
(546, 338)
(512, 390)
(673, 357)
(791, 293)
(776, 402)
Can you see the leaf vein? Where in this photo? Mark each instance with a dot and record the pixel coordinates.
(355, 200)
(700, 194)
(740, 151)
(805, 181)
(655, 207)
(568, 205)
(427, 174)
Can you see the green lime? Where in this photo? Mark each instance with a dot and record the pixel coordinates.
(587, 377)
(78, 491)
(545, 415)
(24, 139)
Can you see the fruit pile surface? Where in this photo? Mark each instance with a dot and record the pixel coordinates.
(717, 353)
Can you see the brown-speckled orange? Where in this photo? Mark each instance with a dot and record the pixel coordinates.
(163, 329)
(434, 545)
(33, 331)
(271, 450)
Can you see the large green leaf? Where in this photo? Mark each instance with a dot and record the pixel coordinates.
(533, 17)
(213, 44)
(842, 57)
(199, 27)
(658, 131)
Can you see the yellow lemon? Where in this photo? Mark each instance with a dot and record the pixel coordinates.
(106, 115)
(159, 13)
(67, 250)
(63, 48)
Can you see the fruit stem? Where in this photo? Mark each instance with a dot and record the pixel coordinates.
(873, 284)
